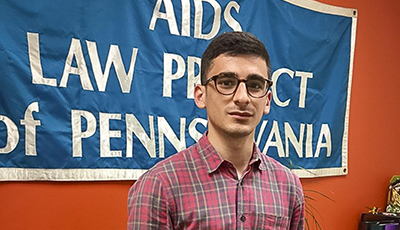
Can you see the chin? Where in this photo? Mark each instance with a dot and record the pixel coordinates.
(240, 132)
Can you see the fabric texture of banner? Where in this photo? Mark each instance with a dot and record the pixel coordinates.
(103, 90)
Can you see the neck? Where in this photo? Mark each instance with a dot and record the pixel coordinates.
(236, 150)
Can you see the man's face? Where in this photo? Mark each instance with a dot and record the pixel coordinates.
(238, 114)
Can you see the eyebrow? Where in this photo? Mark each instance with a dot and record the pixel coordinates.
(220, 73)
(254, 75)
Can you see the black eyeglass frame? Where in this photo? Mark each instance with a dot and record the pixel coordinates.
(215, 77)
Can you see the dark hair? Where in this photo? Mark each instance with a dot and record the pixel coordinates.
(233, 43)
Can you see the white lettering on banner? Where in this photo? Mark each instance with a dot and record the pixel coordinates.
(303, 86)
(30, 129)
(193, 78)
(35, 63)
(164, 129)
(106, 134)
(290, 137)
(76, 126)
(76, 53)
(185, 18)
(12, 135)
(309, 141)
(168, 77)
(324, 134)
(274, 140)
(198, 19)
(169, 16)
(133, 126)
(196, 135)
(114, 58)
(228, 17)
(274, 134)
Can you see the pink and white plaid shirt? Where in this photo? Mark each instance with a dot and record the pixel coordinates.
(197, 189)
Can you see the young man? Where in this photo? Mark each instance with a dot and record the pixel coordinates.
(223, 181)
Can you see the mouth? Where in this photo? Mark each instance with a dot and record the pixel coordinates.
(240, 114)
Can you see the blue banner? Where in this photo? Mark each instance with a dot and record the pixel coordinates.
(103, 90)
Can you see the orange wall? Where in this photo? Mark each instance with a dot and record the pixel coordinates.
(374, 113)
(373, 156)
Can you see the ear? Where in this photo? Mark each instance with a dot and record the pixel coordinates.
(199, 96)
(268, 104)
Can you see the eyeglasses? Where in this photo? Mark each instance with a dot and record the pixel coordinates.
(227, 83)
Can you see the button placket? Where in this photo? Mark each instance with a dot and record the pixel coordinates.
(240, 205)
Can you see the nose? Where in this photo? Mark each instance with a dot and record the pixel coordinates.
(241, 97)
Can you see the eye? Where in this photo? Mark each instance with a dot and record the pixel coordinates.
(255, 84)
(227, 82)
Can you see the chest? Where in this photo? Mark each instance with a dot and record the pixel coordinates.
(220, 201)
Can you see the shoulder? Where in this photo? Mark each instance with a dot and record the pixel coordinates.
(166, 179)
(169, 168)
(178, 161)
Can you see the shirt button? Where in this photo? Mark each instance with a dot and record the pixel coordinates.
(243, 218)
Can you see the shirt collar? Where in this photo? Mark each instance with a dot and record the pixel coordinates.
(213, 160)
(257, 158)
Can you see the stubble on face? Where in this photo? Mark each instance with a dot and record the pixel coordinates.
(237, 115)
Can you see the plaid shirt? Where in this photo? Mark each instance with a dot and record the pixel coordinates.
(197, 189)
